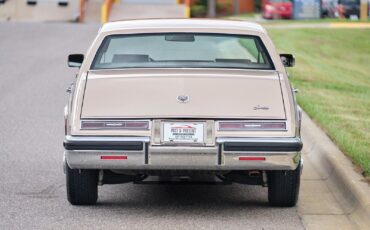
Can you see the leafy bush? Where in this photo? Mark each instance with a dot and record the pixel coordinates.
(198, 11)
(203, 3)
(223, 8)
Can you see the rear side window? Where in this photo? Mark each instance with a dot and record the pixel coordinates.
(188, 50)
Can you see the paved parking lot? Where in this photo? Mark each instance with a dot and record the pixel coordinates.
(33, 78)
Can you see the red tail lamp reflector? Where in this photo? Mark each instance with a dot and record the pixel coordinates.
(113, 157)
(252, 158)
(114, 125)
(252, 126)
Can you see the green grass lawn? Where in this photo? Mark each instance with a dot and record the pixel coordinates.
(333, 75)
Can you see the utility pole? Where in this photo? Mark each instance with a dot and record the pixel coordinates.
(106, 10)
(211, 8)
(187, 8)
(81, 17)
(364, 10)
(236, 5)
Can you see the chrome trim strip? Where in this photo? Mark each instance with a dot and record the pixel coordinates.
(86, 159)
(64, 163)
(276, 161)
(70, 138)
(183, 157)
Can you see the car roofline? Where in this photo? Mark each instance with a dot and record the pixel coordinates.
(216, 24)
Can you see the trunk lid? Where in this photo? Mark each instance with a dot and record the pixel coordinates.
(153, 93)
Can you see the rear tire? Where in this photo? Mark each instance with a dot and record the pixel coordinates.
(283, 187)
(82, 186)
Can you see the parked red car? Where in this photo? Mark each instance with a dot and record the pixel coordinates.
(273, 9)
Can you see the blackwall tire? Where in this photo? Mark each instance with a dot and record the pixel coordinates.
(283, 187)
(82, 186)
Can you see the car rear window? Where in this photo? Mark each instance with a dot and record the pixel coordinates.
(187, 50)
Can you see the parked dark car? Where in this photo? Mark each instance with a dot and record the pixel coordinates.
(350, 8)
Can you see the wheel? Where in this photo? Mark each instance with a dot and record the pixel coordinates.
(82, 186)
(283, 187)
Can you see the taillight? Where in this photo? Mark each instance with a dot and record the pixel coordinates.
(114, 125)
(252, 126)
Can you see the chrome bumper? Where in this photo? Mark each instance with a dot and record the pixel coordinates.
(136, 153)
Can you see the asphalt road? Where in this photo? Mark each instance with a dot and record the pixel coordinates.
(33, 78)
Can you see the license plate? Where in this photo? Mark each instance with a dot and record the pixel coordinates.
(183, 132)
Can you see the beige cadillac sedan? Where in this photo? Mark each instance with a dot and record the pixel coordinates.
(181, 99)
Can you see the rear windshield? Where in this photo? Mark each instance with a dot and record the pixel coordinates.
(176, 50)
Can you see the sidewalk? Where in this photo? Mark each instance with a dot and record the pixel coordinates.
(332, 193)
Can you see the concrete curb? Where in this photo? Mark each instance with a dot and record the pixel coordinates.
(348, 187)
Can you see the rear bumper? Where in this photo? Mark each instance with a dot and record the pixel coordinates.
(136, 153)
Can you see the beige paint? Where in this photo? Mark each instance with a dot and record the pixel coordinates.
(151, 93)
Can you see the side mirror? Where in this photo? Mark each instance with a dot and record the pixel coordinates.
(288, 60)
(75, 60)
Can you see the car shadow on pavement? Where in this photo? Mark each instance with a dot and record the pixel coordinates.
(131, 196)
(186, 207)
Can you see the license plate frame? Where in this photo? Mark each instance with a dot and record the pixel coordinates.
(168, 136)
